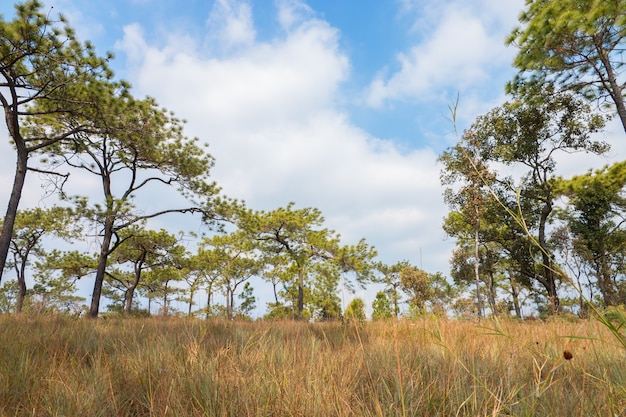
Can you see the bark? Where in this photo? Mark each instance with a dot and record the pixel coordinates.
(101, 269)
(21, 295)
(515, 296)
(14, 201)
(613, 87)
(549, 280)
(479, 302)
(300, 294)
(209, 295)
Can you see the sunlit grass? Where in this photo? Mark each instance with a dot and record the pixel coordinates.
(177, 367)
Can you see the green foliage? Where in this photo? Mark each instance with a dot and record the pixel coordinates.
(392, 281)
(301, 254)
(280, 312)
(139, 250)
(528, 133)
(45, 74)
(595, 211)
(577, 43)
(355, 310)
(231, 259)
(9, 292)
(29, 230)
(248, 301)
(381, 307)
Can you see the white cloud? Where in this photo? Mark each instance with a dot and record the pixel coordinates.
(458, 52)
(292, 12)
(230, 24)
(269, 115)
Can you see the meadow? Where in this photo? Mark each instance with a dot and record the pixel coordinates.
(59, 366)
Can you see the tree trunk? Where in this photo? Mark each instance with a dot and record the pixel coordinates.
(614, 88)
(492, 294)
(230, 300)
(128, 300)
(515, 296)
(14, 201)
(549, 280)
(102, 264)
(300, 294)
(192, 292)
(21, 280)
(605, 283)
(209, 294)
(479, 302)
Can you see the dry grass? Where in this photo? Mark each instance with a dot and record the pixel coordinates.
(151, 367)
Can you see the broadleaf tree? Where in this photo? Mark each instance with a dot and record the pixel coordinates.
(528, 133)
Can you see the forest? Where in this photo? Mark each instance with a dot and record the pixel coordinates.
(531, 242)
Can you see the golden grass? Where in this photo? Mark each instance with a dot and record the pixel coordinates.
(178, 367)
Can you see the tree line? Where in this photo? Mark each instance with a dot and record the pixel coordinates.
(533, 239)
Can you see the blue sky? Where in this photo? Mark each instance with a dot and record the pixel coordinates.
(339, 105)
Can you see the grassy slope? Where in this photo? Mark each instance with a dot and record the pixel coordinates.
(178, 367)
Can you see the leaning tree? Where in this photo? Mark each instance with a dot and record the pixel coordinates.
(45, 73)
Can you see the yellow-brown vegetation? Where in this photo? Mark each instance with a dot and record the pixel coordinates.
(179, 367)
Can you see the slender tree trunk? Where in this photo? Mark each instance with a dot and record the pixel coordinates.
(515, 296)
(14, 201)
(101, 269)
(605, 283)
(165, 290)
(21, 280)
(479, 301)
(209, 294)
(548, 269)
(492, 294)
(613, 87)
(192, 292)
(130, 291)
(300, 294)
(128, 300)
(230, 300)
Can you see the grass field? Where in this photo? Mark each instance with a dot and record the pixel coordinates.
(179, 367)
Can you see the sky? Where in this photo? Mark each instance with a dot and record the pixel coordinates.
(339, 105)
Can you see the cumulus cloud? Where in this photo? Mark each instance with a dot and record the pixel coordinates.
(458, 51)
(269, 115)
(230, 24)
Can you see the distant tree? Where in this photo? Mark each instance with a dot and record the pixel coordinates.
(30, 228)
(391, 280)
(55, 281)
(160, 281)
(468, 178)
(234, 259)
(142, 250)
(248, 301)
(597, 212)
(577, 43)
(426, 291)
(299, 245)
(529, 132)
(325, 302)
(381, 307)
(141, 147)
(8, 296)
(416, 283)
(355, 310)
(45, 73)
